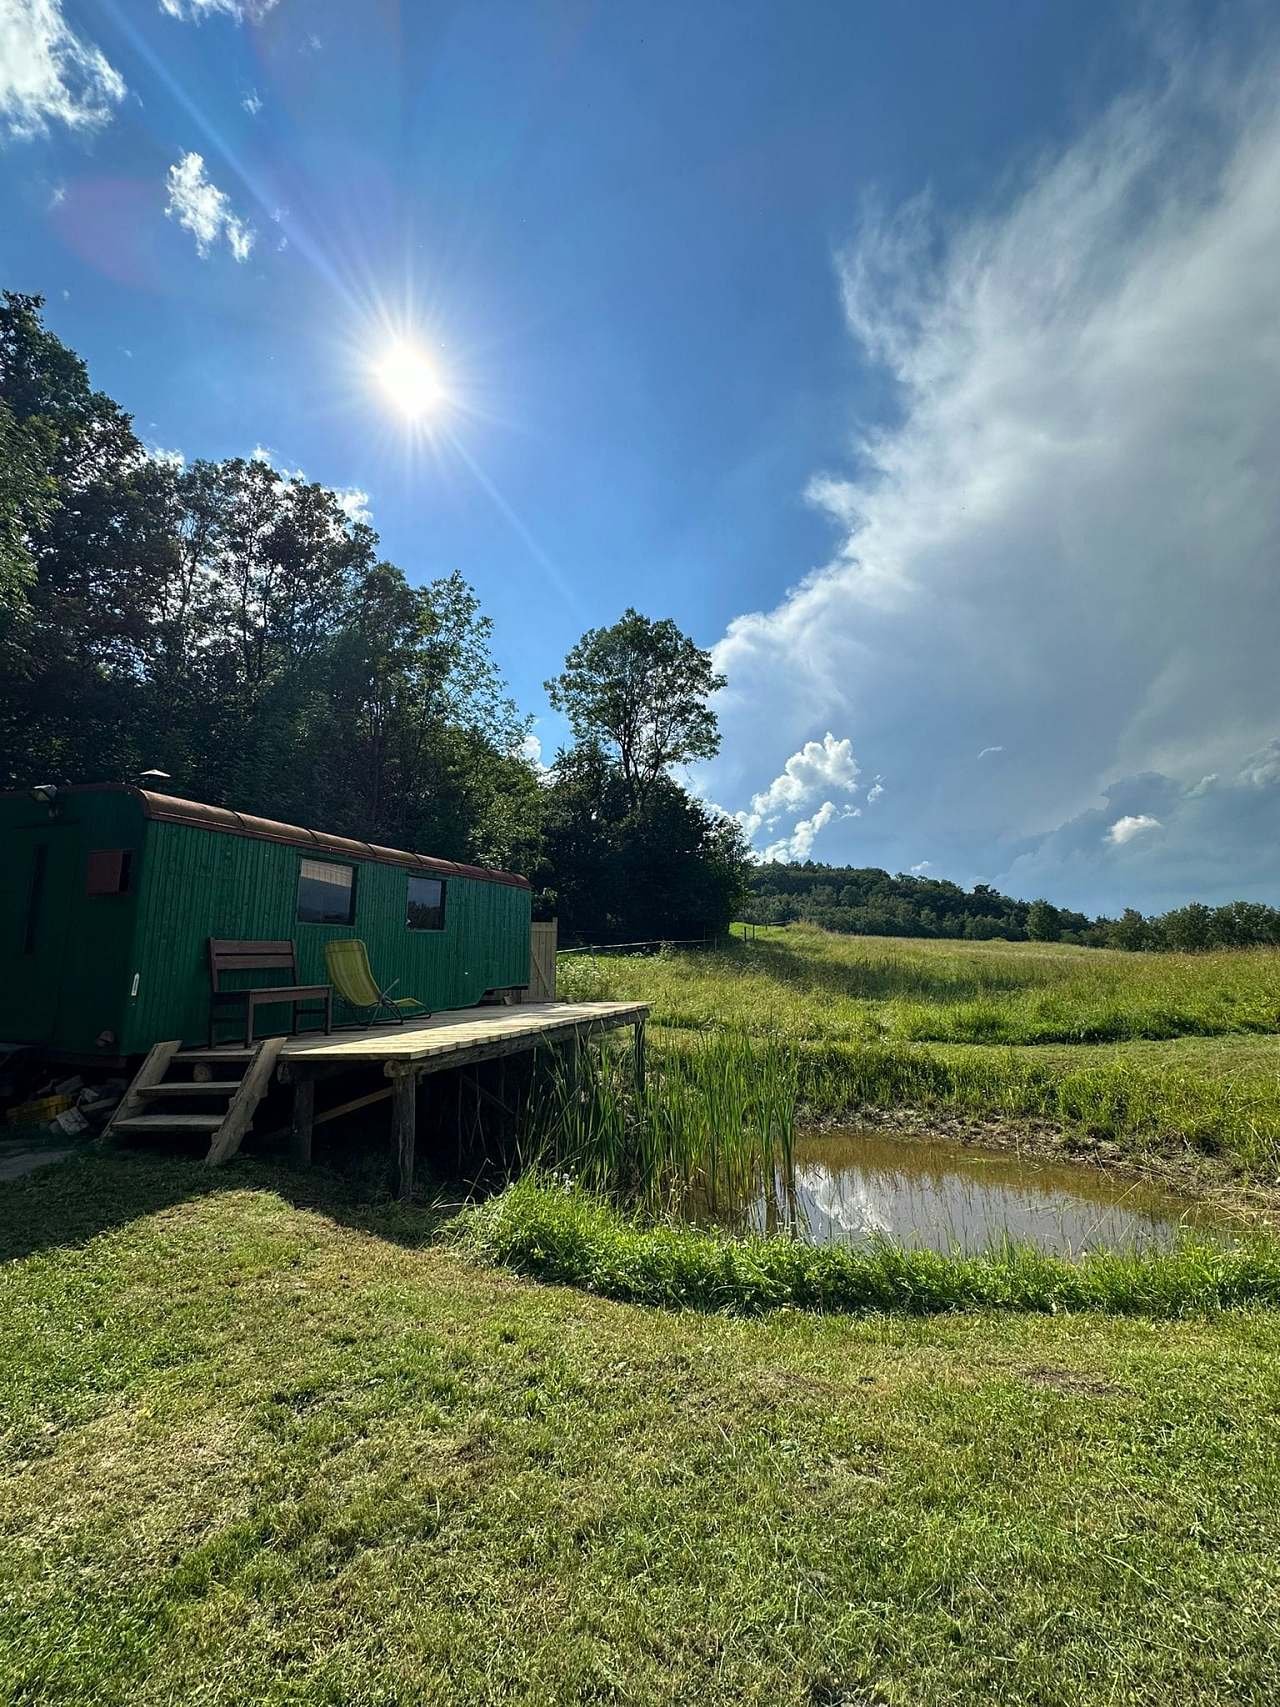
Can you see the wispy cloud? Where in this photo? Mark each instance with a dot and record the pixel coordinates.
(196, 11)
(204, 210)
(49, 75)
(171, 458)
(920, 867)
(251, 101)
(986, 752)
(1067, 523)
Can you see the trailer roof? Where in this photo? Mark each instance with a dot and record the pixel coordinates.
(170, 809)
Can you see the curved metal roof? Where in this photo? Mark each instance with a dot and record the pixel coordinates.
(170, 809)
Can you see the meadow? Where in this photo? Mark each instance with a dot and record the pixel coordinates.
(1158, 1055)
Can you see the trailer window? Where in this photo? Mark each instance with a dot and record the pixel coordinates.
(426, 904)
(326, 893)
(35, 889)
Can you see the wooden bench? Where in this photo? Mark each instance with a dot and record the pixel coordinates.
(228, 956)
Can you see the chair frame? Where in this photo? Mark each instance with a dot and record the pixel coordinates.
(383, 1004)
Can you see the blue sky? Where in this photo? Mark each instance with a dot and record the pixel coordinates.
(920, 359)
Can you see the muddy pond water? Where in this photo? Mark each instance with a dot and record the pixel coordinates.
(851, 1187)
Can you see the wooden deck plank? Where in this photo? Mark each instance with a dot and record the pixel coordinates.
(447, 1038)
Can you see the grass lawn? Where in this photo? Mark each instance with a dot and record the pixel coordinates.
(264, 1446)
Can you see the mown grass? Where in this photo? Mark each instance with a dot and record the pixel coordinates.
(806, 993)
(262, 1445)
(563, 1234)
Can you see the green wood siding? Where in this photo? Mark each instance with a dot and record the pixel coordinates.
(70, 988)
(202, 883)
(189, 884)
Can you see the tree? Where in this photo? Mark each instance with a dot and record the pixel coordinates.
(1130, 931)
(639, 691)
(671, 870)
(1044, 923)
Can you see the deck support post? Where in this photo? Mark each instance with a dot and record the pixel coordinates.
(404, 1117)
(304, 1109)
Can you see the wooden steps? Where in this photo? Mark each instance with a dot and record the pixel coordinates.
(154, 1103)
(192, 1088)
(170, 1123)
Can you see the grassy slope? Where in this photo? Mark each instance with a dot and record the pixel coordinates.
(261, 1452)
(1007, 1029)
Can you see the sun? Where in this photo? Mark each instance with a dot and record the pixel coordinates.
(410, 380)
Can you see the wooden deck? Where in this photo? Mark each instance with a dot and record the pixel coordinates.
(407, 1054)
(460, 1036)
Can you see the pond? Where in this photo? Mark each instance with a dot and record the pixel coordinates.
(852, 1186)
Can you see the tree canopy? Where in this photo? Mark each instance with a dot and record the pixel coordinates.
(639, 690)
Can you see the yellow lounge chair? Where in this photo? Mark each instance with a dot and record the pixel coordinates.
(347, 959)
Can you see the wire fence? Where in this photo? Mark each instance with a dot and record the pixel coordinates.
(711, 939)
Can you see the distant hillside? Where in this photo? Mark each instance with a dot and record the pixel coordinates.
(864, 901)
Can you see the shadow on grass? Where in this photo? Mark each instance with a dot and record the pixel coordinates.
(69, 1203)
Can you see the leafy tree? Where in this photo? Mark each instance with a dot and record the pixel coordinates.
(1044, 923)
(1130, 931)
(670, 870)
(639, 691)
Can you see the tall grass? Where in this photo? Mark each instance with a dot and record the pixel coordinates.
(874, 1024)
(715, 1123)
(810, 985)
(567, 1236)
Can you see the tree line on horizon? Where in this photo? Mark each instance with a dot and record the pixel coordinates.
(865, 901)
(236, 628)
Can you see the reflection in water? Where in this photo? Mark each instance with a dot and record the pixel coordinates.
(849, 1187)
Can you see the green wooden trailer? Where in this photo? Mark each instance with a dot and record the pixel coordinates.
(109, 896)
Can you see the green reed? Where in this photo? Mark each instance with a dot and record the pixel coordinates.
(714, 1123)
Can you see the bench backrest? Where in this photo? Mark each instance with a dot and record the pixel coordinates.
(230, 956)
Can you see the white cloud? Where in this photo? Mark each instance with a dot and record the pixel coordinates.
(920, 867)
(57, 195)
(530, 750)
(987, 751)
(799, 844)
(874, 792)
(264, 453)
(1136, 824)
(196, 11)
(1068, 523)
(353, 501)
(819, 766)
(354, 504)
(1260, 769)
(173, 458)
(204, 210)
(49, 74)
(251, 101)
